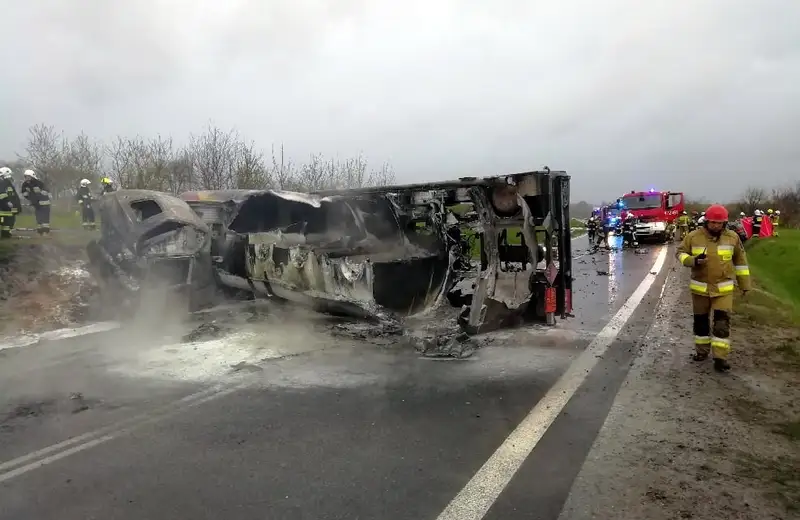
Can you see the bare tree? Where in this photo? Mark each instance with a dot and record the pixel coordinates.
(314, 175)
(214, 157)
(753, 198)
(787, 200)
(250, 168)
(282, 172)
(353, 172)
(385, 176)
(43, 151)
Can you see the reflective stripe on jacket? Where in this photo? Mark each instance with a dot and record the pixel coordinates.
(726, 262)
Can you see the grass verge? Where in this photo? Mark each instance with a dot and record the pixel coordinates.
(768, 326)
(775, 265)
(58, 220)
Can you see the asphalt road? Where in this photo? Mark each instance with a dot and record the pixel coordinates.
(288, 421)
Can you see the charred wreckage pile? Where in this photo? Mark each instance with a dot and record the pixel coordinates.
(385, 253)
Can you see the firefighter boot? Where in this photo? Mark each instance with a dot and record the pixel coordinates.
(720, 340)
(721, 365)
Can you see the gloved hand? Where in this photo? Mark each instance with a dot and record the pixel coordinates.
(700, 259)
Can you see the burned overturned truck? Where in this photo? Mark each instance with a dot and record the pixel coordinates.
(498, 248)
(152, 239)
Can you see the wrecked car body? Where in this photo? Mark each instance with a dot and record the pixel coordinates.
(152, 239)
(498, 248)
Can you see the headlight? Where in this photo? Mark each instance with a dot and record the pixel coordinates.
(659, 226)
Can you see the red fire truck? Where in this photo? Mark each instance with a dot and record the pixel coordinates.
(656, 212)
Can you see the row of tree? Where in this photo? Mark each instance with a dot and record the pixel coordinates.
(215, 159)
(786, 199)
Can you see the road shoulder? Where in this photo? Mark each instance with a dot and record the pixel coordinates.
(681, 441)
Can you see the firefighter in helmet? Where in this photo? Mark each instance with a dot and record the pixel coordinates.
(591, 229)
(9, 202)
(683, 225)
(85, 199)
(106, 186)
(718, 261)
(774, 218)
(36, 192)
(758, 216)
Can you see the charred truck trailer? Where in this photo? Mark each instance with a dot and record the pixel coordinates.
(497, 248)
(396, 251)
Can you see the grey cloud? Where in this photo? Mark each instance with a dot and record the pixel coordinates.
(694, 95)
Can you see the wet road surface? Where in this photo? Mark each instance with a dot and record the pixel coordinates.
(292, 422)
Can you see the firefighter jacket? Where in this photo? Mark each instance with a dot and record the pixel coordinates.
(107, 188)
(725, 263)
(35, 192)
(591, 224)
(775, 220)
(757, 220)
(84, 196)
(9, 198)
(629, 225)
(683, 221)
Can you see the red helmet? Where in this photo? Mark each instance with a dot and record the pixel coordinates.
(717, 213)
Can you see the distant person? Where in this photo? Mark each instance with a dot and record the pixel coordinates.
(683, 225)
(85, 200)
(629, 231)
(774, 218)
(718, 261)
(757, 218)
(10, 203)
(35, 191)
(591, 229)
(106, 186)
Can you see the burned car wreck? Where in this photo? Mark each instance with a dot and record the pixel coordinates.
(149, 238)
(498, 248)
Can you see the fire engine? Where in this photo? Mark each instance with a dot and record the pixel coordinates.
(656, 212)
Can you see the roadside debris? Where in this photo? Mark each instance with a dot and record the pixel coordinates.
(458, 346)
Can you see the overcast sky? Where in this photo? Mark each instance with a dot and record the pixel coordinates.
(695, 95)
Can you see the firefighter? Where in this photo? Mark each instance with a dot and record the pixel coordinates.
(36, 192)
(106, 186)
(591, 229)
(717, 259)
(683, 225)
(9, 202)
(629, 231)
(758, 215)
(84, 197)
(775, 219)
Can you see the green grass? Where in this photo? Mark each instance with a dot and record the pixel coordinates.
(575, 223)
(775, 266)
(58, 220)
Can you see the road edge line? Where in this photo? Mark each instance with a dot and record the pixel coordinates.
(483, 489)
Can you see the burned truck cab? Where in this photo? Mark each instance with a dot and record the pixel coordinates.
(152, 239)
(497, 248)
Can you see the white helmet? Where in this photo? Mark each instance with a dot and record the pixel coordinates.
(758, 212)
(85, 182)
(30, 173)
(741, 214)
(777, 212)
(701, 219)
(5, 172)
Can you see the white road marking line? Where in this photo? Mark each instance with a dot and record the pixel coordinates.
(475, 499)
(59, 334)
(107, 437)
(113, 429)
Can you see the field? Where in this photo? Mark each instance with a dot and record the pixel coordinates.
(774, 263)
